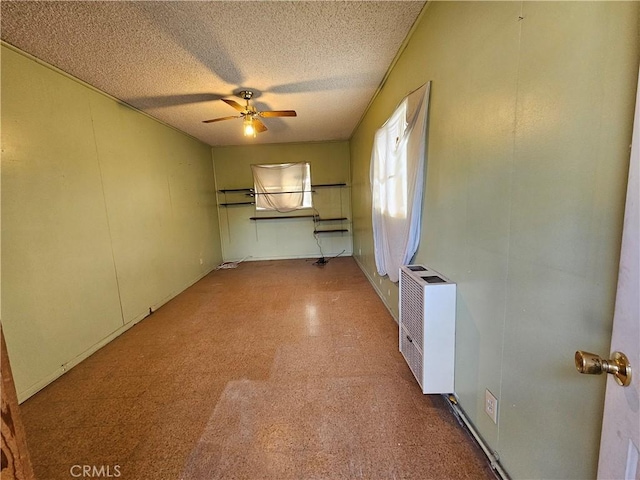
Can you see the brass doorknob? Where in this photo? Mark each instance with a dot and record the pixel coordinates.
(592, 364)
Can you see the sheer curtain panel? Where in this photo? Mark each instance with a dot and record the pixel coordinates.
(397, 179)
(283, 187)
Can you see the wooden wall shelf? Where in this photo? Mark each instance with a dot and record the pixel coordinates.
(315, 217)
(334, 230)
(326, 185)
(235, 190)
(282, 217)
(236, 203)
(251, 190)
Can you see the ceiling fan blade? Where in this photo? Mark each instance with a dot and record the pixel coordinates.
(221, 118)
(234, 104)
(259, 126)
(279, 113)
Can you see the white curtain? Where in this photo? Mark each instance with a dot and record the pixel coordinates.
(282, 187)
(397, 177)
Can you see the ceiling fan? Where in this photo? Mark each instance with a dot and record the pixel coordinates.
(251, 123)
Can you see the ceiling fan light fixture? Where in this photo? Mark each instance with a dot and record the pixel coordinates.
(247, 127)
(251, 122)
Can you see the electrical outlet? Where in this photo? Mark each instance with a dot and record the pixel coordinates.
(491, 406)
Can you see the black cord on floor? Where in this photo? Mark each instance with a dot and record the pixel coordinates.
(322, 261)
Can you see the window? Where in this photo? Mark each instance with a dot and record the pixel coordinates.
(282, 187)
(397, 177)
(391, 172)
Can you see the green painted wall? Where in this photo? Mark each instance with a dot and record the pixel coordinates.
(530, 125)
(105, 214)
(290, 238)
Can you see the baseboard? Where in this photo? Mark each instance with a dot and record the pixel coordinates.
(492, 456)
(24, 395)
(376, 288)
(58, 372)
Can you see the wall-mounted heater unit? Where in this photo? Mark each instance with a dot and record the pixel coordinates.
(427, 326)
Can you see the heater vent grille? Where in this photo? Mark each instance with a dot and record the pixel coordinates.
(411, 354)
(413, 309)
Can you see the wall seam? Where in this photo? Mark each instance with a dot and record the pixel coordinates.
(106, 213)
(511, 180)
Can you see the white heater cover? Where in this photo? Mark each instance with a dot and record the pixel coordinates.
(427, 327)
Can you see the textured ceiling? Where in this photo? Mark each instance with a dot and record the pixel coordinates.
(176, 59)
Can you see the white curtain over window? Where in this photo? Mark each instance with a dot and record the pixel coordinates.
(397, 177)
(282, 187)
